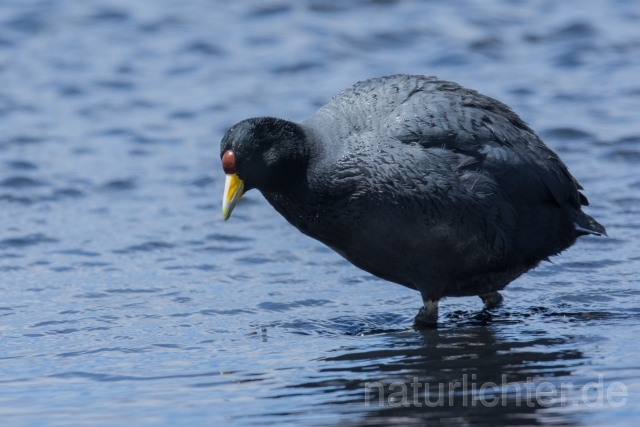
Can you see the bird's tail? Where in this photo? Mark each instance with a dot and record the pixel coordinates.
(584, 224)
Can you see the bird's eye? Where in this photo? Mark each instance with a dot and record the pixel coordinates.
(229, 162)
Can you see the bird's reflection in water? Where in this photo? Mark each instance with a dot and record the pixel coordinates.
(470, 375)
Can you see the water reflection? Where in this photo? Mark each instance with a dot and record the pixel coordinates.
(457, 375)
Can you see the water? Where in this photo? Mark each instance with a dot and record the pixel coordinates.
(127, 300)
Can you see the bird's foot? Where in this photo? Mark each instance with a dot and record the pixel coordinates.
(427, 317)
(491, 300)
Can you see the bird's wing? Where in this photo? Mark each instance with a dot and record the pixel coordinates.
(441, 114)
(488, 136)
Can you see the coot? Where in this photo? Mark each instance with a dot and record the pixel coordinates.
(416, 180)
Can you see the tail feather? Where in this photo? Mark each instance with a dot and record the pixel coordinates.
(584, 224)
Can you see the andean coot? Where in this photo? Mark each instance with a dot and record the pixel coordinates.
(416, 180)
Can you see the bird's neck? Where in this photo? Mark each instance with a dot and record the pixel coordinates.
(293, 150)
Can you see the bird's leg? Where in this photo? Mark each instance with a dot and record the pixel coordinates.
(428, 315)
(491, 299)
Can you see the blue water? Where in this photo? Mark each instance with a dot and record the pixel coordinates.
(126, 300)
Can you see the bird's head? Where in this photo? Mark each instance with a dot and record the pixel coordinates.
(264, 153)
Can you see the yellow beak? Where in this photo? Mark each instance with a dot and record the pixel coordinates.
(233, 189)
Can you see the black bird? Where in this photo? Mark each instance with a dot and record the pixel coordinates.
(418, 181)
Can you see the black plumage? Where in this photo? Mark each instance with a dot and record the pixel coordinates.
(418, 181)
